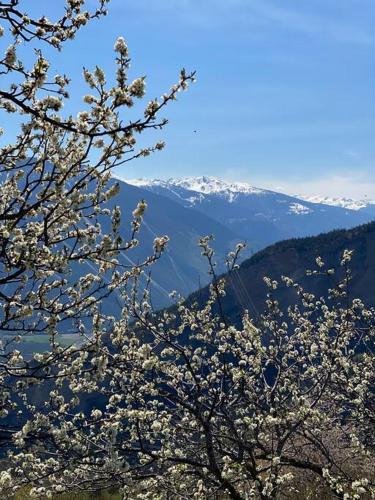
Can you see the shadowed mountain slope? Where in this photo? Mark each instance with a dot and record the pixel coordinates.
(246, 288)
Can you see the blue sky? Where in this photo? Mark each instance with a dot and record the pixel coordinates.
(285, 90)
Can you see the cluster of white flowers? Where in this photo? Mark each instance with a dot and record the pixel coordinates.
(140, 209)
(121, 47)
(197, 405)
(160, 243)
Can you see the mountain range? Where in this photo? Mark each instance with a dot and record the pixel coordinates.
(257, 216)
(363, 205)
(187, 209)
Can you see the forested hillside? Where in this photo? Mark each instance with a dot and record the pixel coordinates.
(246, 288)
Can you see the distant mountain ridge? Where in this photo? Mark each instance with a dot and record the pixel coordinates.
(203, 184)
(228, 189)
(343, 202)
(231, 213)
(259, 216)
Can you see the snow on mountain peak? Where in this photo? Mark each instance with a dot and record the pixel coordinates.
(299, 209)
(207, 185)
(342, 202)
(202, 184)
(145, 182)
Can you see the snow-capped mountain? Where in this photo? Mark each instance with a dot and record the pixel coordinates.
(204, 184)
(187, 209)
(230, 190)
(259, 216)
(349, 203)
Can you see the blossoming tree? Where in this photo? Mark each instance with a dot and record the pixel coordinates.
(174, 404)
(185, 405)
(54, 184)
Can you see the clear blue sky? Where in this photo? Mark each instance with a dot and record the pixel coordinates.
(285, 90)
